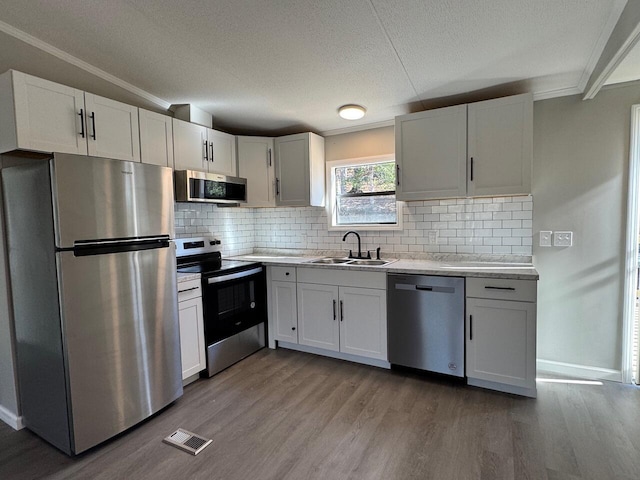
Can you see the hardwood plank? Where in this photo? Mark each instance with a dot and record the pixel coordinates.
(288, 415)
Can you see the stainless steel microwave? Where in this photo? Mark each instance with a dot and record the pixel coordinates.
(194, 186)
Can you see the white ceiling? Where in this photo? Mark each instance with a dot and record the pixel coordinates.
(280, 66)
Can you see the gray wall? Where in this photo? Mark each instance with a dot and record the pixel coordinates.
(580, 175)
(8, 388)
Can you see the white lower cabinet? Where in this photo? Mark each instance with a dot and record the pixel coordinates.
(340, 312)
(501, 335)
(318, 316)
(363, 322)
(284, 311)
(191, 321)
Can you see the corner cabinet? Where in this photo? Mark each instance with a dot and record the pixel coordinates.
(501, 335)
(204, 149)
(44, 116)
(191, 319)
(256, 164)
(299, 165)
(482, 148)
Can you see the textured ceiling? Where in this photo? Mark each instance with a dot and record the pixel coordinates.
(275, 66)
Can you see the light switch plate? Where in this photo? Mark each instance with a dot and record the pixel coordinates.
(562, 239)
(545, 238)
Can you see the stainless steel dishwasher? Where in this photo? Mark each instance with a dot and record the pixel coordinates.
(425, 322)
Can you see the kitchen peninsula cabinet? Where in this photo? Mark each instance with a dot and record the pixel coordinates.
(299, 165)
(191, 320)
(501, 335)
(204, 149)
(156, 138)
(43, 116)
(256, 164)
(479, 149)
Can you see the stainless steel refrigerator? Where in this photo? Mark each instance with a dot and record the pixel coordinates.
(93, 279)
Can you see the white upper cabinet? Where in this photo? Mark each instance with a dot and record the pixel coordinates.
(200, 148)
(431, 154)
(156, 138)
(299, 163)
(39, 115)
(190, 146)
(112, 128)
(478, 149)
(48, 117)
(222, 153)
(500, 146)
(255, 163)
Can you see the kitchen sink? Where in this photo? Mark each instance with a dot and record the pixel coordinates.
(369, 262)
(330, 260)
(351, 261)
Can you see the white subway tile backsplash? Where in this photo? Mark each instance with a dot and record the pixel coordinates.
(501, 225)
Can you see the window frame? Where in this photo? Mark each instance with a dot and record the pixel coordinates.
(331, 195)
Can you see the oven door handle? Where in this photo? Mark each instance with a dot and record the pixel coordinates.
(233, 276)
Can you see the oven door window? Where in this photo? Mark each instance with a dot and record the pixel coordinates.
(233, 306)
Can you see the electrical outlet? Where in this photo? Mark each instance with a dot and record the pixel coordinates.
(433, 237)
(545, 238)
(562, 239)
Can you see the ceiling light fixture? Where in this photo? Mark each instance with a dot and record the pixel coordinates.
(351, 112)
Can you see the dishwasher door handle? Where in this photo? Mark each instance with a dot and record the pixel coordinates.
(424, 288)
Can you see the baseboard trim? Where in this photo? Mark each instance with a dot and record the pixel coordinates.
(11, 419)
(339, 355)
(580, 371)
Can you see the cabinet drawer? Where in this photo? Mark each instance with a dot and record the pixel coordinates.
(283, 274)
(189, 289)
(502, 289)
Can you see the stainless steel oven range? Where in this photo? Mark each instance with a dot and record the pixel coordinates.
(234, 301)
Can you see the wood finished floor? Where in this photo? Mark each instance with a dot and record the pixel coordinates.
(288, 415)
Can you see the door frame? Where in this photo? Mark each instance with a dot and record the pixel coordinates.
(631, 250)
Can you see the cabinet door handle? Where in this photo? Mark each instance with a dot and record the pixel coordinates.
(269, 156)
(334, 309)
(489, 287)
(470, 327)
(398, 174)
(188, 289)
(341, 311)
(277, 187)
(81, 122)
(211, 145)
(293, 328)
(206, 151)
(93, 123)
(472, 169)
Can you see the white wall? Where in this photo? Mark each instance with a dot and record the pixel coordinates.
(581, 151)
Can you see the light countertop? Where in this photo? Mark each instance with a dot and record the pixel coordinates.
(487, 269)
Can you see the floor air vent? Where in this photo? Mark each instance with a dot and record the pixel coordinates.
(187, 441)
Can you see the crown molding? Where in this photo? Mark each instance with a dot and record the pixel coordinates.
(556, 92)
(87, 67)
